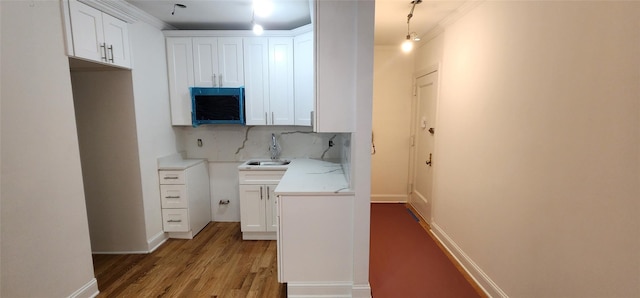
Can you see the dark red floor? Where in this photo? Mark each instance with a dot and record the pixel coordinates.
(406, 262)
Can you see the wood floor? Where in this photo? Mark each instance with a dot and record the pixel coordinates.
(216, 263)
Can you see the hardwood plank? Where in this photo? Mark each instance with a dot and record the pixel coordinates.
(216, 263)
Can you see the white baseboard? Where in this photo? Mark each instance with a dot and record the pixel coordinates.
(319, 290)
(89, 290)
(123, 252)
(389, 198)
(361, 291)
(156, 241)
(481, 278)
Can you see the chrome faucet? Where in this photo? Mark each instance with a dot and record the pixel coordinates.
(274, 148)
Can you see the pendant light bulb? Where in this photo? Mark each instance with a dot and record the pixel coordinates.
(407, 45)
(257, 29)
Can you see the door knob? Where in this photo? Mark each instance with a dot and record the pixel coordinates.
(431, 130)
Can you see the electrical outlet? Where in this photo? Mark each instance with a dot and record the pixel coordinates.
(199, 142)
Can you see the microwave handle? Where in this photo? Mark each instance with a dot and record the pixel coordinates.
(213, 80)
(220, 80)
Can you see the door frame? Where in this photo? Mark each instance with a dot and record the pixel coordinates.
(434, 68)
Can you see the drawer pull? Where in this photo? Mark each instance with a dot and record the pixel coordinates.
(172, 197)
(261, 193)
(169, 178)
(174, 220)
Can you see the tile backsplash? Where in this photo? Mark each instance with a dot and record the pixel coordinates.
(233, 143)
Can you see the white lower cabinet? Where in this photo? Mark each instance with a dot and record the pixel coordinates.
(258, 204)
(315, 241)
(186, 202)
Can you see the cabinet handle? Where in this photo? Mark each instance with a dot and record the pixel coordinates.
(111, 50)
(174, 220)
(312, 126)
(170, 177)
(272, 118)
(220, 80)
(260, 193)
(103, 48)
(266, 119)
(268, 193)
(214, 80)
(172, 197)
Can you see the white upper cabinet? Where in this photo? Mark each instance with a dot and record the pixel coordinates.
(336, 46)
(281, 101)
(303, 82)
(218, 62)
(98, 36)
(268, 67)
(180, 72)
(256, 75)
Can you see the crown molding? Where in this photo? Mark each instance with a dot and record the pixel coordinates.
(126, 12)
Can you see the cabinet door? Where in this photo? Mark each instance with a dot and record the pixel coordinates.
(303, 71)
(271, 209)
(116, 38)
(88, 34)
(180, 68)
(256, 71)
(281, 81)
(205, 62)
(230, 63)
(252, 208)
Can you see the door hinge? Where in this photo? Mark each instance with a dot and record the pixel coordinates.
(412, 140)
(410, 188)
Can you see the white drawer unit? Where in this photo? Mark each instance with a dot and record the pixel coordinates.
(258, 204)
(174, 196)
(175, 220)
(186, 200)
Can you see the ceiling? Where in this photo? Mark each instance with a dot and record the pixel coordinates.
(390, 18)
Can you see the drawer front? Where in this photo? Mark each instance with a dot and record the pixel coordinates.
(174, 196)
(175, 220)
(171, 177)
(260, 177)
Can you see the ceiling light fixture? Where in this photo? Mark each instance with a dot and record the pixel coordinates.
(407, 45)
(177, 5)
(257, 28)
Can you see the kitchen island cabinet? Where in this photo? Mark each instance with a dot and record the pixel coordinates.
(315, 229)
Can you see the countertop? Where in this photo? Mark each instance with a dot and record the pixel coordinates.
(177, 164)
(308, 177)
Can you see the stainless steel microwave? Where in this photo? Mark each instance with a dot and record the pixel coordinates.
(217, 105)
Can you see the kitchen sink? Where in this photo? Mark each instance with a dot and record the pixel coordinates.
(268, 162)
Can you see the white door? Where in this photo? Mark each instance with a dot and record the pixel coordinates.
(230, 62)
(180, 66)
(205, 57)
(256, 88)
(304, 74)
(252, 210)
(424, 132)
(116, 37)
(271, 209)
(281, 81)
(88, 35)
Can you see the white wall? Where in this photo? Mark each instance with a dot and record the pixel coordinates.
(106, 120)
(537, 180)
(156, 137)
(392, 94)
(227, 146)
(45, 238)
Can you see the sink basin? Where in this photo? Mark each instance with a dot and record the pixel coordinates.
(268, 162)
